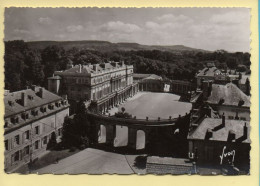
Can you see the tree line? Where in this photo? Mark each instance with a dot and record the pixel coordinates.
(25, 66)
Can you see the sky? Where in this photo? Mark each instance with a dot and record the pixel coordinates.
(204, 28)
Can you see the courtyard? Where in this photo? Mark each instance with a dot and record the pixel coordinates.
(154, 105)
(142, 105)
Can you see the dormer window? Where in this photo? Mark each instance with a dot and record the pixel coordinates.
(30, 97)
(34, 112)
(25, 115)
(64, 102)
(6, 124)
(43, 109)
(15, 120)
(11, 103)
(57, 104)
(51, 106)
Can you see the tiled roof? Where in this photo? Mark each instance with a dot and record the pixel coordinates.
(229, 93)
(209, 72)
(140, 76)
(165, 165)
(153, 76)
(219, 132)
(90, 68)
(146, 76)
(13, 105)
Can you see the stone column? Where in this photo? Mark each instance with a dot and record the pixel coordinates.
(132, 137)
(110, 134)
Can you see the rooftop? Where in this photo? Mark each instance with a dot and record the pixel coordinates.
(146, 76)
(34, 98)
(166, 165)
(209, 72)
(95, 68)
(228, 94)
(220, 132)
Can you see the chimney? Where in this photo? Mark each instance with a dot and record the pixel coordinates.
(6, 92)
(245, 131)
(206, 111)
(41, 92)
(34, 87)
(95, 67)
(207, 88)
(24, 99)
(65, 96)
(239, 76)
(209, 134)
(223, 120)
(231, 136)
(80, 68)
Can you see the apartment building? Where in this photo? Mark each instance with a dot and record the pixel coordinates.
(32, 116)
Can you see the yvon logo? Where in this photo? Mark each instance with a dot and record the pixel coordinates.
(227, 154)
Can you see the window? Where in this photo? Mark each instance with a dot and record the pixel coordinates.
(37, 131)
(16, 156)
(6, 124)
(36, 144)
(15, 120)
(43, 109)
(51, 106)
(6, 145)
(25, 116)
(57, 104)
(27, 134)
(45, 140)
(34, 112)
(27, 150)
(17, 139)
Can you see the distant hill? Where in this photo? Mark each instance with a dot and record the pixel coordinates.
(106, 46)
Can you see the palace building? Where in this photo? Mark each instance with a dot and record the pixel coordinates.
(32, 117)
(106, 84)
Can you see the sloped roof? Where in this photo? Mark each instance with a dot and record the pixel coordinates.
(147, 76)
(90, 68)
(153, 76)
(244, 78)
(221, 133)
(230, 93)
(55, 77)
(140, 76)
(37, 101)
(166, 165)
(209, 72)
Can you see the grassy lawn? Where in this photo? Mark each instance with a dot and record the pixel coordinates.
(47, 159)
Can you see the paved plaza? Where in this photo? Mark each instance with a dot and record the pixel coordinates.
(154, 105)
(90, 161)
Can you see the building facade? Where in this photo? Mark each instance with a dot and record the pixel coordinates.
(227, 99)
(106, 84)
(149, 82)
(32, 116)
(221, 142)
